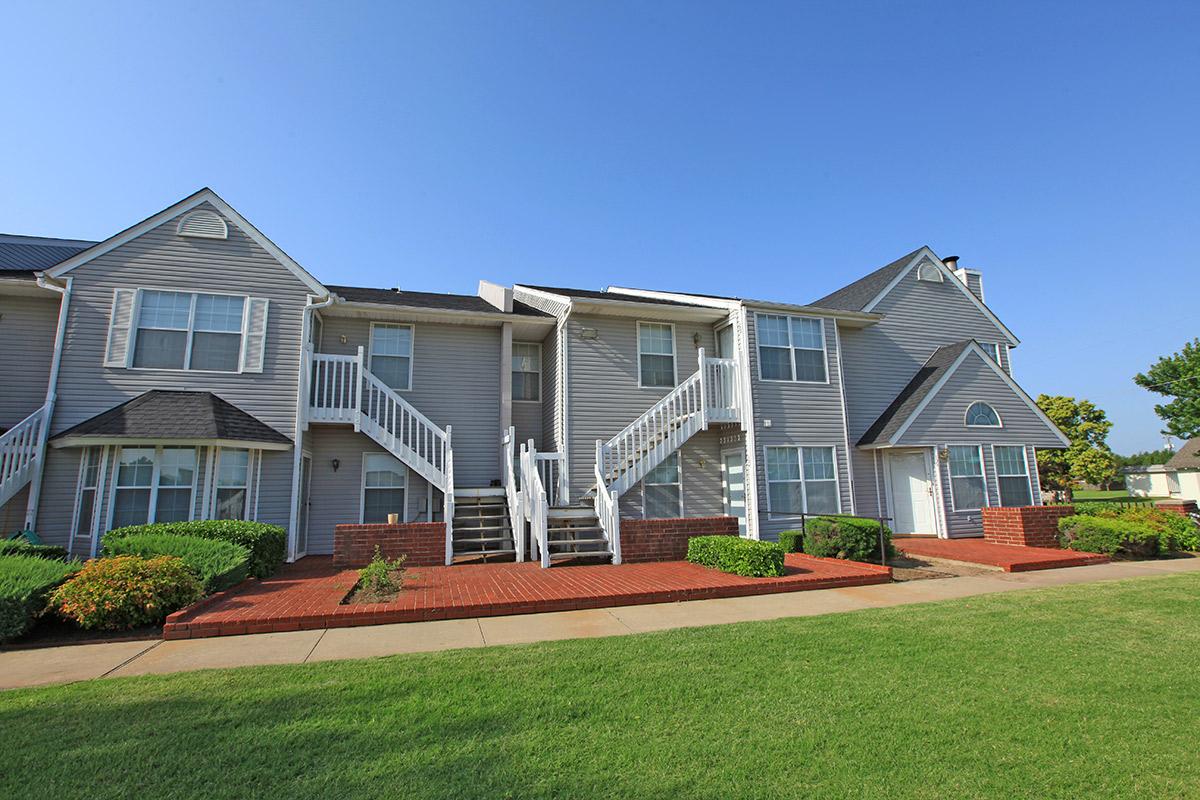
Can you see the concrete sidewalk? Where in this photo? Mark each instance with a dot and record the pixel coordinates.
(21, 668)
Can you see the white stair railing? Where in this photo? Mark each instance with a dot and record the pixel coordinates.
(608, 512)
(508, 477)
(720, 389)
(448, 500)
(20, 449)
(536, 506)
(551, 468)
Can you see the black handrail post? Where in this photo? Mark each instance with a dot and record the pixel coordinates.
(882, 548)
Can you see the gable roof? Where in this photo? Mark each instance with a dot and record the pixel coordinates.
(33, 253)
(1188, 456)
(436, 300)
(205, 195)
(927, 382)
(161, 415)
(866, 292)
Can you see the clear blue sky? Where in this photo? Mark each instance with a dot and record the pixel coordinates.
(763, 150)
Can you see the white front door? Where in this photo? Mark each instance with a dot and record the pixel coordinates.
(911, 492)
(733, 479)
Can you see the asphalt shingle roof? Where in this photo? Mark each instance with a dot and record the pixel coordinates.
(1188, 456)
(162, 414)
(855, 296)
(911, 395)
(31, 253)
(591, 294)
(453, 302)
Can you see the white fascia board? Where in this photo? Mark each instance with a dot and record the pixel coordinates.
(137, 441)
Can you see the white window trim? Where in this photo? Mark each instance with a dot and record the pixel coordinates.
(674, 355)
(412, 349)
(538, 345)
(135, 326)
(1028, 473)
(362, 486)
(987, 499)
(98, 489)
(837, 479)
(646, 483)
(210, 512)
(994, 354)
(758, 346)
(717, 331)
(153, 506)
(967, 414)
(941, 278)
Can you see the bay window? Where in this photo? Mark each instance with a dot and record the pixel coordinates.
(153, 484)
(233, 483)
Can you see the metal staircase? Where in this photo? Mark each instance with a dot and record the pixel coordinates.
(343, 390)
(21, 450)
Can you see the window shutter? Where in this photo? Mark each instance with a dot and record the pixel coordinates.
(120, 328)
(255, 346)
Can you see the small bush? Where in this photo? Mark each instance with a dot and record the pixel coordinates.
(1094, 508)
(20, 547)
(792, 541)
(733, 554)
(267, 543)
(852, 538)
(382, 578)
(1107, 535)
(126, 591)
(218, 564)
(25, 586)
(1175, 531)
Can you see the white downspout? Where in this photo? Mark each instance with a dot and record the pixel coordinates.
(35, 486)
(742, 322)
(302, 388)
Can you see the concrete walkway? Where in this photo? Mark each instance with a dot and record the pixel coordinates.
(20, 668)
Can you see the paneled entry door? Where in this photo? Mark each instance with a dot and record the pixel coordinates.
(911, 491)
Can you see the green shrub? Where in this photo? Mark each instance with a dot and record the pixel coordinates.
(218, 564)
(792, 541)
(20, 547)
(382, 578)
(1108, 535)
(25, 586)
(852, 538)
(267, 543)
(748, 557)
(1093, 508)
(126, 591)
(1175, 531)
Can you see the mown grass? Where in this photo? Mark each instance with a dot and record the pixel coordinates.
(1108, 494)
(1081, 691)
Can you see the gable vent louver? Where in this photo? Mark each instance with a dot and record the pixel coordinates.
(203, 224)
(928, 271)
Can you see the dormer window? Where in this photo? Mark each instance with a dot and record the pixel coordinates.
(981, 415)
(203, 224)
(928, 271)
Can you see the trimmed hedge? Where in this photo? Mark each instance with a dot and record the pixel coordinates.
(1107, 535)
(20, 547)
(126, 591)
(733, 554)
(792, 541)
(267, 543)
(851, 538)
(218, 564)
(1175, 531)
(25, 586)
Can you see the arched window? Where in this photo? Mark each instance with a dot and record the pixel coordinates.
(981, 415)
(928, 271)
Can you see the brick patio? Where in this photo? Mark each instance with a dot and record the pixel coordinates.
(1010, 558)
(308, 595)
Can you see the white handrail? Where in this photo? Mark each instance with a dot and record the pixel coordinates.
(608, 512)
(508, 477)
(551, 468)
(537, 508)
(448, 500)
(20, 449)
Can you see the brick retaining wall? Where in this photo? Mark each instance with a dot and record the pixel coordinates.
(1024, 526)
(1181, 507)
(424, 543)
(667, 539)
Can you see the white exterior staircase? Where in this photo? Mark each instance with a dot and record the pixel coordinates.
(343, 390)
(21, 449)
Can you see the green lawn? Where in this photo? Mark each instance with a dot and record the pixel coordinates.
(1082, 691)
(1106, 494)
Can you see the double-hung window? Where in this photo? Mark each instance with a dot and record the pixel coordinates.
(392, 354)
(188, 330)
(968, 488)
(991, 348)
(1012, 475)
(526, 371)
(153, 484)
(89, 480)
(662, 490)
(656, 354)
(802, 480)
(233, 483)
(791, 348)
(384, 482)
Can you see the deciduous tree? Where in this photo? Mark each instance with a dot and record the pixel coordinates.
(1177, 376)
(1088, 459)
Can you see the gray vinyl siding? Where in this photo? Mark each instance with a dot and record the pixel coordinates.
(943, 420)
(880, 360)
(456, 382)
(603, 393)
(700, 473)
(160, 258)
(27, 329)
(336, 496)
(12, 513)
(975, 284)
(801, 414)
